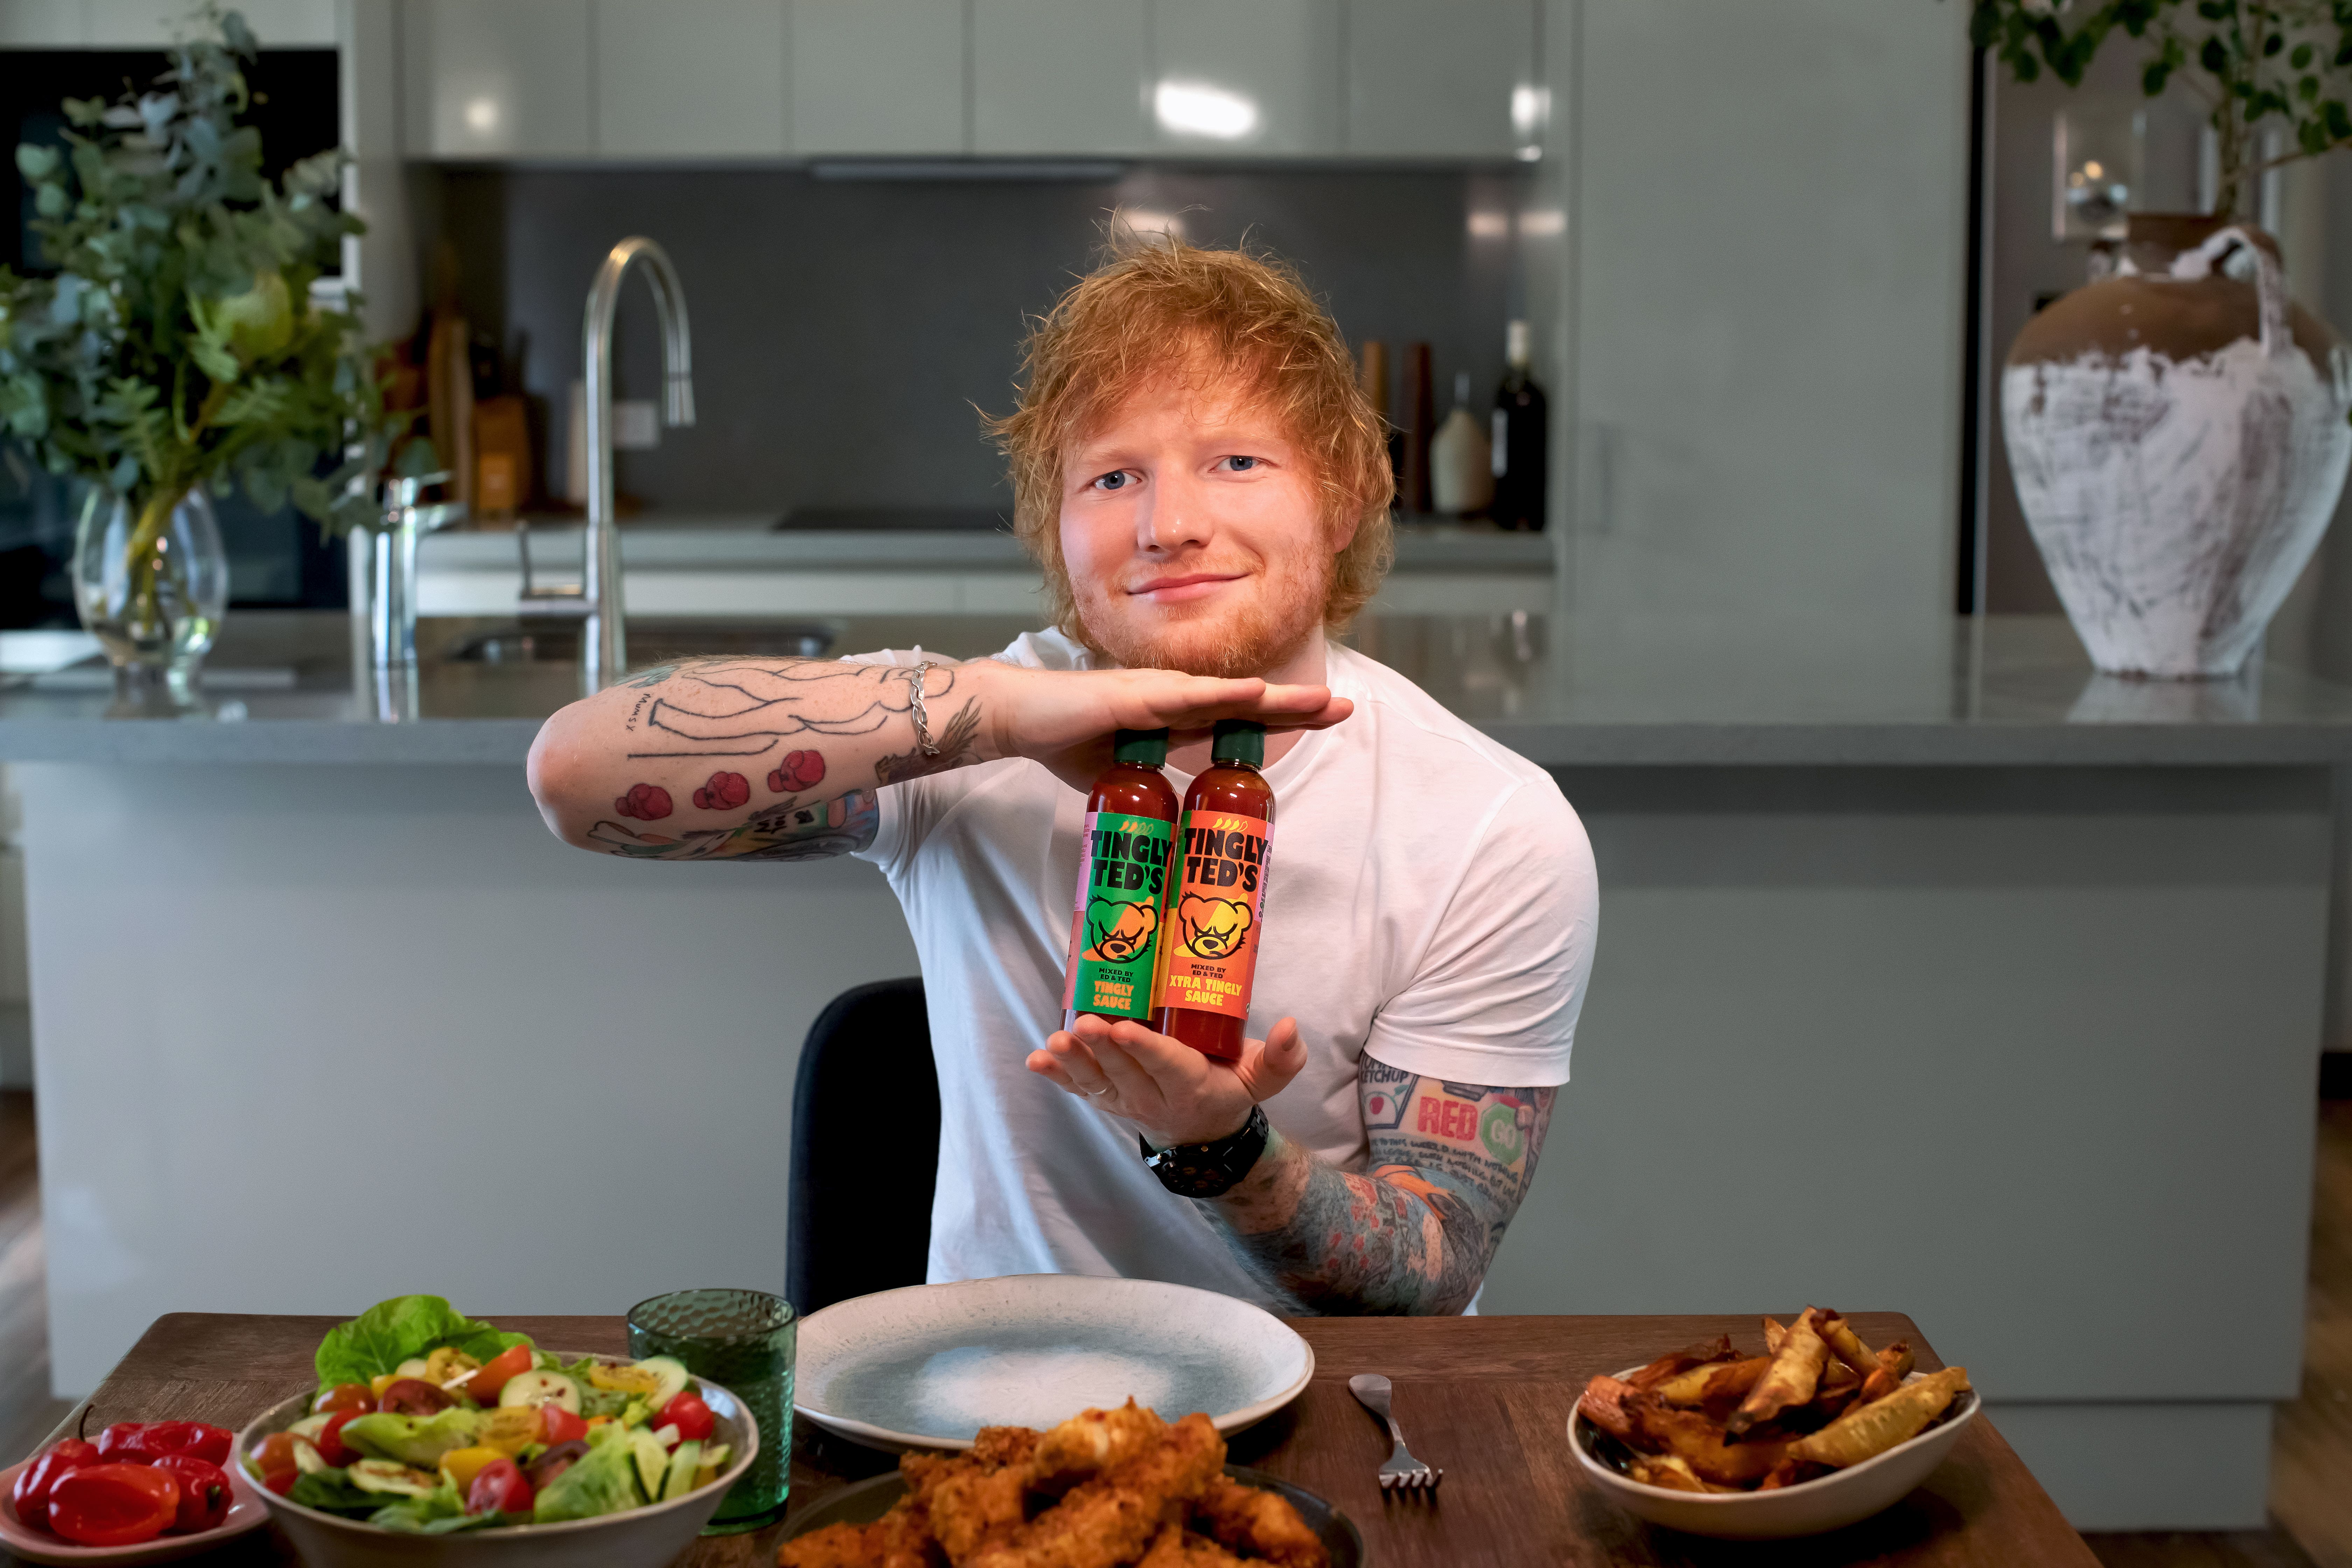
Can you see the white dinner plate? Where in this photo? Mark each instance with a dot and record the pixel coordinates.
(930, 1365)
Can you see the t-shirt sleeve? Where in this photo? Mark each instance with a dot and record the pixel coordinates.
(1496, 997)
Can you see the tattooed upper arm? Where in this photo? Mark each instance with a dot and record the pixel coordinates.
(1466, 1149)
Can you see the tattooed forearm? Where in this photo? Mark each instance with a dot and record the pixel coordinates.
(750, 759)
(1451, 1163)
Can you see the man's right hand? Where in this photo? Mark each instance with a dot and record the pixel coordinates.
(1066, 719)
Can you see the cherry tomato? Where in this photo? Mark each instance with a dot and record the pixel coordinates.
(275, 1458)
(113, 1504)
(413, 1396)
(344, 1397)
(31, 1494)
(204, 1496)
(554, 1463)
(557, 1425)
(499, 1488)
(690, 1415)
(330, 1445)
(483, 1387)
(282, 1481)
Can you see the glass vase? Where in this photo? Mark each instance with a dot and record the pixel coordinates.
(151, 582)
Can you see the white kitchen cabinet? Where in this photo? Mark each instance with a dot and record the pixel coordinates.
(496, 78)
(1059, 76)
(1260, 77)
(690, 78)
(1448, 78)
(1768, 347)
(878, 76)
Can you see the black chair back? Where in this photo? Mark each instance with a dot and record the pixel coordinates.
(860, 1205)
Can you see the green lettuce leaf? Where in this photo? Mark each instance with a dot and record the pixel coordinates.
(418, 1441)
(604, 1481)
(332, 1491)
(417, 1515)
(380, 1339)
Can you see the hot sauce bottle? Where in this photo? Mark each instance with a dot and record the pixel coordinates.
(1217, 906)
(1115, 934)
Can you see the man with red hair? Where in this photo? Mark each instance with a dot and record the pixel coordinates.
(1207, 491)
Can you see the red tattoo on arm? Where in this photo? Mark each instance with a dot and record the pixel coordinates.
(725, 791)
(647, 803)
(798, 771)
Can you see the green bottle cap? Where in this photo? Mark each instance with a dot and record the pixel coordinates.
(1148, 747)
(1239, 740)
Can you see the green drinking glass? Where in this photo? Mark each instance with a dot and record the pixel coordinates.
(742, 1340)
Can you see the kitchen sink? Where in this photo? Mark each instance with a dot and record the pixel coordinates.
(650, 642)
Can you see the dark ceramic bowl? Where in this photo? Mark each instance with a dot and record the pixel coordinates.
(868, 1501)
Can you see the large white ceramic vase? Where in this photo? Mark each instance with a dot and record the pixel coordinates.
(2179, 439)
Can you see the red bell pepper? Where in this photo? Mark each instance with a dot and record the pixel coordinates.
(31, 1493)
(205, 1494)
(115, 1505)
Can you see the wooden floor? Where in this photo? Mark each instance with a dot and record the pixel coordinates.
(2311, 1468)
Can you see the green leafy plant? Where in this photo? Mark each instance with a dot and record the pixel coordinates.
(2256, 64)
(179, 344)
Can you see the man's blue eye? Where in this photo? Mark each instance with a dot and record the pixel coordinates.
(1242, 465)
(1112, 481)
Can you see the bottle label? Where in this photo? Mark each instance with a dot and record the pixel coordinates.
(1501, 443)
(1115, 932)
(1216, 916)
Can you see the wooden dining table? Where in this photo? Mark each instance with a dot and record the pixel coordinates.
(1485, 1399)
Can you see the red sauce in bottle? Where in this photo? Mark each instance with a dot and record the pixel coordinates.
(1123, 874)
(1216, 904)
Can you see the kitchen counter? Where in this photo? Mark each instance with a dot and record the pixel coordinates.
(2008, 692)
(1936, 973)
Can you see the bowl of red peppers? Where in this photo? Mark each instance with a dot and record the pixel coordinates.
(145, 1491)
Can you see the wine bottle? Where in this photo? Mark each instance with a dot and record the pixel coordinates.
(1521, 438)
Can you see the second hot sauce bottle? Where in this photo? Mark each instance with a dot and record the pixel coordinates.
(1123, 875)
(1216, 907)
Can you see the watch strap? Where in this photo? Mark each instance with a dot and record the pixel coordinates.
(1210, 1170)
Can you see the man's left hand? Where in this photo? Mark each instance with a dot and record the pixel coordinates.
(1171, 1092)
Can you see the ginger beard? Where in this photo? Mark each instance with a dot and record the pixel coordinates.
(1279, 550)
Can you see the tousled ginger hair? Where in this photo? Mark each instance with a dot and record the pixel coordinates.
(1157, 306)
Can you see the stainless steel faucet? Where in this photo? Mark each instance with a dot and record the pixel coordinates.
(603, 636)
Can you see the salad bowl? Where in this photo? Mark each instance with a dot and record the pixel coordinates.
(643, 1537)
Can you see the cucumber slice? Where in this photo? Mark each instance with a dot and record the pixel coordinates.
(311, 1426)
(533, 1389)
(714, 1455)
(653, 1462)
(673, 1374)
(392, 1480)
(415, 1366)
(682, 1465)
(309, 1461)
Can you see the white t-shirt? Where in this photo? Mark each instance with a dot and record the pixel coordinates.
(1432, 901)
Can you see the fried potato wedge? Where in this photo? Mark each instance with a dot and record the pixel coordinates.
(1607, 1405)
(1775, 1330)
(1712, 1380)
(1672, 1472)
(1660, 1430)
(1869, 1430)
(1790, 1380)
(1897, 1359)
(1846, 1345)
(1683, 1361)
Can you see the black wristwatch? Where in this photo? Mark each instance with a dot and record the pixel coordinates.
(1209, 1169)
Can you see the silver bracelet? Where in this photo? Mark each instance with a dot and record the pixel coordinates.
(922, 720)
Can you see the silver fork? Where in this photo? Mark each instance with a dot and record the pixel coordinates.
(1402, 1471)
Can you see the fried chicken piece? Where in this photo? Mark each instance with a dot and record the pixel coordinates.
(1113, 1517)
(1094, 1441)
(1178, 1547)
(972, 1500)
(905, 1537)
(1261, 1523)
(834, 1546)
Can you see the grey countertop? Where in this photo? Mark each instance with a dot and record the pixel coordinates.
(2005, 691)
(753, 543)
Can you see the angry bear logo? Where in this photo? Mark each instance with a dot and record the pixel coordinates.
(1117, 933)
(1212, 928)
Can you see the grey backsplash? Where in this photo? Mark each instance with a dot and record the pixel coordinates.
(845, 330)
